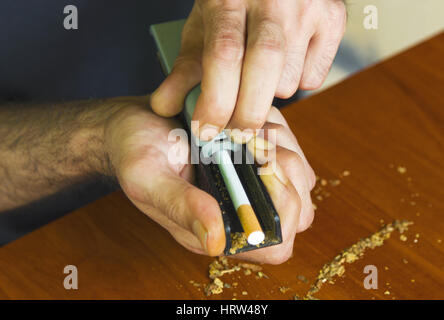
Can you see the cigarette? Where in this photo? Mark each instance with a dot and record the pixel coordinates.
(244, 210)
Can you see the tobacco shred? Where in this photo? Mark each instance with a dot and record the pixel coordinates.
(336, 267)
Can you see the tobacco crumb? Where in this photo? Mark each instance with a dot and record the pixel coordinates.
(387, 293)
(244, 293)
(405, 260)
(336, 267)
(216, 287)
(262, 275)
(250, 266)
(323, 182)
(222, 266)
(284, 289)
(402, 237)
(346, 173)
(335, 182)
(238, 241)
(401, 170)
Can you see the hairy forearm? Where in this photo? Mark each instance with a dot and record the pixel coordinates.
(47, 147)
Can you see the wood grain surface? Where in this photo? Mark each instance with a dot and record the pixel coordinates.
(388, 116)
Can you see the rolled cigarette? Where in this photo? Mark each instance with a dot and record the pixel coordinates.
(245, 212)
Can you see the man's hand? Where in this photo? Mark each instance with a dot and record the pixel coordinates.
(245, 52)
(136, 141)
(44, 149)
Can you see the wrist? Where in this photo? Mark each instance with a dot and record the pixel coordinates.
(91, 144)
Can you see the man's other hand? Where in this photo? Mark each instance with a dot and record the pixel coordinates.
(245, 52)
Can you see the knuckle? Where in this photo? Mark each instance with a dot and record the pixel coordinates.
(226, 41)
(269, 36)
(229, 4)
(227, 48)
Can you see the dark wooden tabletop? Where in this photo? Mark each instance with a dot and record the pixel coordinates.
(384, 125)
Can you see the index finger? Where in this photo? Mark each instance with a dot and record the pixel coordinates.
(262, 68)
(224, 28)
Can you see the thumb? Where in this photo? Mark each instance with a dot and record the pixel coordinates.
(182, 204)
(168, 99)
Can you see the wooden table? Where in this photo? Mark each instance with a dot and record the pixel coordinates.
(383, 119)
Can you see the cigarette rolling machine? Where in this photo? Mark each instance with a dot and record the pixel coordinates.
(249, 216)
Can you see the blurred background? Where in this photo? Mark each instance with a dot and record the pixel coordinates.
(401, 24)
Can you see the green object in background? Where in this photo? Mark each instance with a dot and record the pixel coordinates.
(168, 39)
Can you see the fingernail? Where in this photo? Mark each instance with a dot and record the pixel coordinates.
(261, 150)
(260, 143)
(241, 136)
(208, 131)
(201, 233)
(275, 169)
